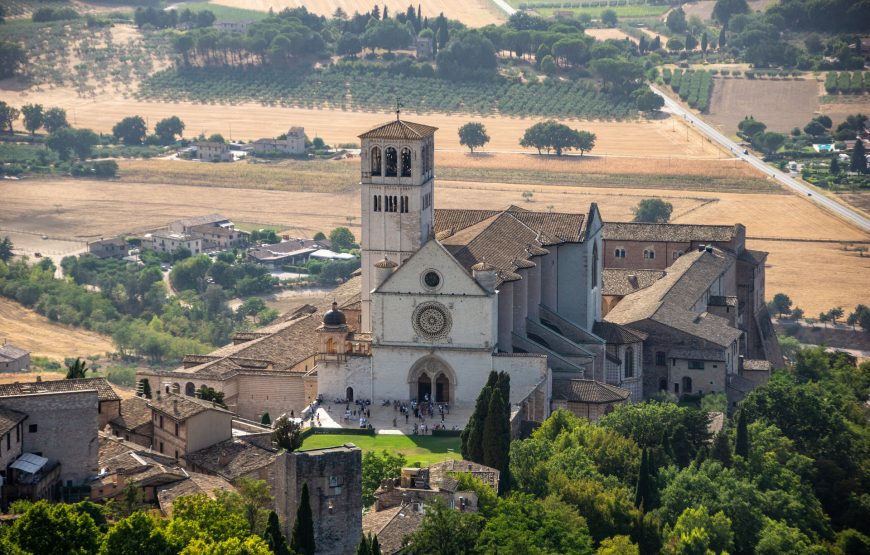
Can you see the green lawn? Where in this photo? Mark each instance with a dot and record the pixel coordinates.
(423, 449)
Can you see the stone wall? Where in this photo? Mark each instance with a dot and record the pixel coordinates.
(61, 427)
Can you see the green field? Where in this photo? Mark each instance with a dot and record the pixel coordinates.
(548, 9)
(423, 449)
(223, 13)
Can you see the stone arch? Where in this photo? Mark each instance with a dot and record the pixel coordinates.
(348, 394)
(376, 161)
(406, 162)
(428, 370)
(391, 162)
(189, 389)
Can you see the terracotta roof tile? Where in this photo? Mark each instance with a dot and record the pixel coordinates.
(182, 406)
(135, 412)
(588, 391)
(398, 129)
(617, 334)
(104, 389)
(9, 419)
(621, 282)
(196, 484)
(11, 352)
(233, 458)
(635, 231)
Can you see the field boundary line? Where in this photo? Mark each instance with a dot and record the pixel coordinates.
(823, 241)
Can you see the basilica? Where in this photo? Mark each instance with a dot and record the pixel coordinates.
(562, 302)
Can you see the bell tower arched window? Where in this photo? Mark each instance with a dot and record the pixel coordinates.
(406, 162)
(391, 162)
(376, 161)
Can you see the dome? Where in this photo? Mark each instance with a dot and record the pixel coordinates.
(386, 263)
(334, 317)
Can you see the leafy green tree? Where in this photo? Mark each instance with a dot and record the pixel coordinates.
(62, 142)
(137, 534)
(54, 119)
(274, 537)
(471, 439)
(675, 45)
(217, 519)
(470, 56)
(618, 545)
(190, 273)
(553, 136)
(524, 524)
(253, 545)
(697, 531)
(473, 135)
(348, 45)
(778, 538)
(741, 443)
(12, 58)
(389, 34)
(8, 115)
(85, 141)
(608, 17)
(6, 247)
(445, 531)
(704, 42)
(130, 130)
(548, 64)
(55, 529)
(653, 210)
(342, 239)
(724, 9)
(781, 304)
(859, 158)
(676, 21)
(691, 42)
(377, 467)
(769, 142)
(287, 433)
(621, 74)
(77, 370)
(167, 129)
(649, 101)
(815, 129)
(572, 50)
(303, 528)
(33, 116)
(750, 127)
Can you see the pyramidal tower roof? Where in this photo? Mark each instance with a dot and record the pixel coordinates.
(401, 130)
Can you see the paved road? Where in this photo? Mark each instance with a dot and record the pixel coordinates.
(843, 211)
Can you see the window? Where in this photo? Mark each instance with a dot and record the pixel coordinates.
(660, 358)
(629, 362)
(161, 446)
(649, 254)
(176, 428)
(404, 204)
(619, 253)
(376, 161)
(696, 365)
(687, 384)
(406, 162)
(391, 168)
(9, 441)
(376, 203)
(32, 429)
(677, 254)
(161, 423)
(176, 453)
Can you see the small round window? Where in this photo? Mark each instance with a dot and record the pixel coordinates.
(431, 279)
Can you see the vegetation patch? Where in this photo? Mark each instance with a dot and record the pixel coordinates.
(416, 449)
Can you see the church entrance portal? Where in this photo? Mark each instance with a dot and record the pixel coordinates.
(424, 388)
(430, 376)
(442, 389)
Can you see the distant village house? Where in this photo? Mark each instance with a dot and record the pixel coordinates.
(12, 358)
(212, 151)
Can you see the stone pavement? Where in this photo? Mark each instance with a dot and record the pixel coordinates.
(332, 416)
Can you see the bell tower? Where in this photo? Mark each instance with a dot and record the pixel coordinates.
(397, 185)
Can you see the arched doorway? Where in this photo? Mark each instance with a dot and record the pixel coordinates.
(442, 389)
(663, 384)
(424, 388)
(348, 394)
(189, 389)
(687, 384)
(433, 377)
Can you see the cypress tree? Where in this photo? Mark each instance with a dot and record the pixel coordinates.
(302, 540)
(722, 41)
(643, 479)
(375, 547)
(741, 445)
(472, 436)
(146, 388)
(496, 438)
(274, 538)
(504, 386)
(364, 546)
(721, 448)
(859, 158)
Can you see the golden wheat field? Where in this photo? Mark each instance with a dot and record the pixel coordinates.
(474, 13)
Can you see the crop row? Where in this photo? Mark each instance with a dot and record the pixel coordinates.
(847, 83)
(360, 90)
(694, 87)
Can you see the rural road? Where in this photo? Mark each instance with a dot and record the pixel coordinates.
(505, 7)
(844, 212)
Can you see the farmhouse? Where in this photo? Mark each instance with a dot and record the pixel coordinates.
(213, 230)
(12, 358)
(234, 26)
(109, 248)
(213, 151)
(170, 241)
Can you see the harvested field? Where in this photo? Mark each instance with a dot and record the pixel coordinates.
(845, 106)
(42, 337)
(605, 34)
(704, 8)
(782, 105)
(647, 138)
(837, 278)
(860, 201)
(474, 13)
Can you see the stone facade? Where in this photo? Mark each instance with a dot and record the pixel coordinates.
(183, 425)
(61, 427)
(13, 359)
